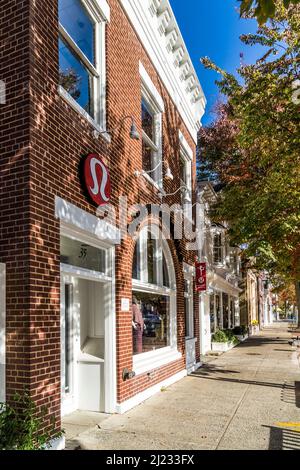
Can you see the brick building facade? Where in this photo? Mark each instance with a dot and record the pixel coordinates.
(45, 135)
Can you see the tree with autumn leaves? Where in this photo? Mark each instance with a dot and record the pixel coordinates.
(252, 149)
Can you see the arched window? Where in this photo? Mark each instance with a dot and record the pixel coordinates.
(154, 294)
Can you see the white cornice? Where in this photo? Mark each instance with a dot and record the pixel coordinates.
(157, 28)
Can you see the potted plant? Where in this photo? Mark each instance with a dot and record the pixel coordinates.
(254, 327)
(241, 332)
(223, 340)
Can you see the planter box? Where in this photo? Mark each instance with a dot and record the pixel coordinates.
(222, 347)
(242, 338)
(254, 330)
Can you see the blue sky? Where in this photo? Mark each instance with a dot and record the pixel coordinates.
(212, 28)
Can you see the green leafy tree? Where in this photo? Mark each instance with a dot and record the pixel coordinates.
(263, 9)
(253, 147)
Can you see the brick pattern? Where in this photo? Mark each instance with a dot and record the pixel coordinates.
(14, 186)
(43, 140)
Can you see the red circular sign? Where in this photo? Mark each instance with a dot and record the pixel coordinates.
(97, 179)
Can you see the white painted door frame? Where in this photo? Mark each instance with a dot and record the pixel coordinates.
(70, 274)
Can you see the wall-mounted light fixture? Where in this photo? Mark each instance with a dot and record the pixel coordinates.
(133, 134)
(168, 174)
(186, 197)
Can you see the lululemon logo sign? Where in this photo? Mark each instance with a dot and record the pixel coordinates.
(97, 179)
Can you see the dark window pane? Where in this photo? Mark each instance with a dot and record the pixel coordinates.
(82, 255)
(212, 313)
(183, 170)
(225, 311)
(68, 336)
(218, 310)
(147, 121)
(151, 259)
(76, 21)
(187, 316)
(136, 267)
(75, 78)
(152, 319)
(166, 278)
(147, 159)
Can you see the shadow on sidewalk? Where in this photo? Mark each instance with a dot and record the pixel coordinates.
(283, 439)
(290, 392)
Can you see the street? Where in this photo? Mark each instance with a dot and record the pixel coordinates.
(247, 398)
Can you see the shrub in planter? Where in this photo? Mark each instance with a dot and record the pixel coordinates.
(219, 337)
(229, 334)
(240, 330)
(21, 428)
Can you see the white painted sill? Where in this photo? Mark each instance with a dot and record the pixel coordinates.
(150, 361)
(151, 181)
(68, 98)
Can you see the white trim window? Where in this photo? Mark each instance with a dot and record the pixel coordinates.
(82, 56)
(186, 159)
(154, 299)
(189, 304)
(152, 108)
(218, 247)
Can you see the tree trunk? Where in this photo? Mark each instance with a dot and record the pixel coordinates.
(297, 287)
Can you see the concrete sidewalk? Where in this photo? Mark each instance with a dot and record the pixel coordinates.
(240, 400)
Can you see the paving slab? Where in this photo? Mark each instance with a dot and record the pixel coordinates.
(247, 398)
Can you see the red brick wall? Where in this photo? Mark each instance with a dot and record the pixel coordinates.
(58, 139)
(14, 186)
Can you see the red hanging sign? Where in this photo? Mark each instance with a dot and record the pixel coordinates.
(201, 279)
(96, 179)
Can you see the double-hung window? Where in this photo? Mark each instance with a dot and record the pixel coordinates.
(152, 107)
(186, 158)
(218, 248)
(82, 55)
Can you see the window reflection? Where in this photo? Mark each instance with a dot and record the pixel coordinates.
(81, 255)
(151, 259)
(151, 322)
(147, 120)
(75, 78)
(76, 21)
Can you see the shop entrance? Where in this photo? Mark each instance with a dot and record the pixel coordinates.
(87, 331)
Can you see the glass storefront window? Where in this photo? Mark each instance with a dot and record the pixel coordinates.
(151, 322)
(153, 293)
(166, 278)
(81, 255)
(152, 259)
(212, 313)
(225, 311)
(136, 265)
(232, 313)
(218, 310)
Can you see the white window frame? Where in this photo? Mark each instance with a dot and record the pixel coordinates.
(99, 12)
(155, 103)
(153, 359)
(221, 247)
(189, 296)
(186, 155)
